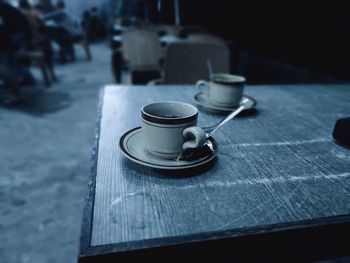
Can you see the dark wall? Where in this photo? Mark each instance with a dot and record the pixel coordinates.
(310, 34)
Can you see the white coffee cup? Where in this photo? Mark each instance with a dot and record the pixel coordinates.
(170, 127)
(224, 89)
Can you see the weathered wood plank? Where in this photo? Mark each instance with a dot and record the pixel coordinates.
(278, 166)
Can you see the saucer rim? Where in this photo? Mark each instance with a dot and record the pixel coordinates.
(190, 165)
(212, 106)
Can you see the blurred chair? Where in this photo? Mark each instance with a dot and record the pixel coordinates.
(86, 46)
(172, 30)
(187, 62)
(10, 83)
(185, 31)
(205, 38)
(37, 58)
(212, 39)
(142, 52)
(128, 21)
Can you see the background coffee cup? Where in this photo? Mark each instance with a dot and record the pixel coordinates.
(170, 127)
(224, 89)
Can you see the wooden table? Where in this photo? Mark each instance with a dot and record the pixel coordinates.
(279, 188)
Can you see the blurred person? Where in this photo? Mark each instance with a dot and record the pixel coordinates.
(40, 39)
(14, 25)
(93, 25)
(67, 32)
(32, 15)
(45, 6)
(98, 26)
(87, 24)
(15, 32)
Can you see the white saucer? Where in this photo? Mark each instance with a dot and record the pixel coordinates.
(133, 147)
(203, 100)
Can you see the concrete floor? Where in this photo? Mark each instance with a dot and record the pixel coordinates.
(45, 151)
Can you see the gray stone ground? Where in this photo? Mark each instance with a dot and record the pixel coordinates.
(45, 151)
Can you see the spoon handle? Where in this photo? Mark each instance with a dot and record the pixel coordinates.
(211, 130)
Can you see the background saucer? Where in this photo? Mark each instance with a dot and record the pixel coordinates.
(203, 100)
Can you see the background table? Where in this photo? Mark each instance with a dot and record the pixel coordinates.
(280, 186)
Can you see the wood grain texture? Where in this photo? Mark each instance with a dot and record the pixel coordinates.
(278, 166)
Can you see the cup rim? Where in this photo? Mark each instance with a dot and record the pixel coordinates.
(238, 78)
(167, 120)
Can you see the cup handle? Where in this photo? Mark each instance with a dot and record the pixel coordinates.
(201, 83)
(196, 137)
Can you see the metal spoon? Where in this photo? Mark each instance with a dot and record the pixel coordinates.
(193, 154)
(245, 104)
